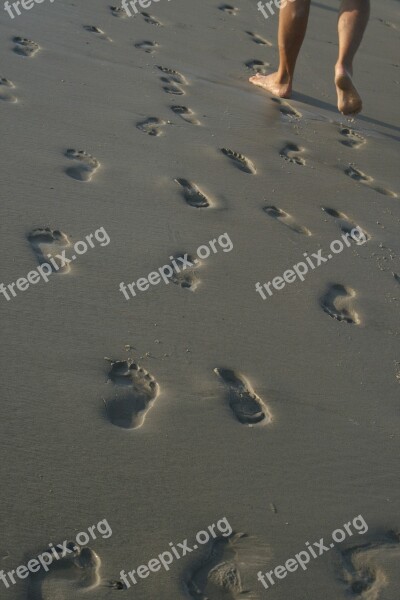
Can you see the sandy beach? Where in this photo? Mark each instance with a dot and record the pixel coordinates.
(149, 389)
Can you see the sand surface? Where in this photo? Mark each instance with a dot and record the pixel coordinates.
(317, 364)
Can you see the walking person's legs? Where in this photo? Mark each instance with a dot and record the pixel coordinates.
(353, 19)
(293, 19)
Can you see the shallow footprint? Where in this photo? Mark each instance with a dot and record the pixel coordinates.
(186, 114)
(257, 66)
(86, 167)
(228, 8)
(291, 153)
(361, 177)
(353, 139)
(371, 568)
(99, 32)
(230, 564)
(172, 88)
(286, 109)
(5, 86)
(286, 219)
(151, 126)
(187, 277)
(147, 46)
(150, 19)
(172, 75)
(247, 407)
(193, 196)
(25, 47)
(76, 572)
(138, 391)
(337, 301)
(258, 39)
(345, 224)
(240, 161)
(46, 244)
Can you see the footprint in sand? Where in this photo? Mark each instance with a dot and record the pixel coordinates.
(99, 32)
(337, 303)
(240, 161)
(147, 46)
(137, 392)
(186, 278)
(286, 219)
(5, 94)
(396, 277)
(86, 166)
(67, 577)
(172, 78)
(389, 24)
(118, 11)
(151, 126)
(286, 109)
(192, 194)
(371, 570)
(186, 114)
(345, 224)
(258, 39)
(228, 568)
(247, 407)
(150, 19)
(291, 153)
(25, 47)
(352, 138)
(46, 244)
(257, 66)
(228, 8)
(361, 177)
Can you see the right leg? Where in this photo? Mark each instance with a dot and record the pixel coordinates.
(293, 19)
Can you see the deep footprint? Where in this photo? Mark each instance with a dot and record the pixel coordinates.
(291, 153)
(371, 568)
(247, 407)
(151, 126)
(353, 139)
(258, 39)
(186, 114)
(361, 177)
(118, 11)
(286, 219)
(138, 391)
(240, 161)
(150, 19)
(224, 572)
(172, 75)
(68, 576)
(192, 194)
(345, 224)
(45, 242)
(337, 301)
(86, 167)
(5, 86)
(228, 8)
(147, 46)
(187, 277)
(25, 47)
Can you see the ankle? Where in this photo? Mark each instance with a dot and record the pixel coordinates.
(342, 67)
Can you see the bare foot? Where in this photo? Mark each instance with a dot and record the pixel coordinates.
(273, 84)
(349, 100)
